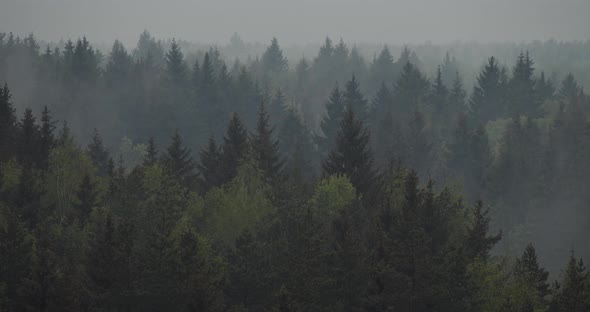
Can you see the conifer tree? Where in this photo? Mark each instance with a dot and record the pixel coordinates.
(28, 141)
(264, 147)
(151, 156)
(86, 198)
(99, 154)
(352, 155)
(178, 161)
(209, 165)
(527, 268)
(175, 66)
(47, 140)
(354, 99)
(572, 294)
(544, 88)
(7, 125)
(411, 89)
(478, 242)
(273, 59)
(523, 98)
(486, 101)
(331, 121)
(439, 94)
(235, 147)
(457, 97)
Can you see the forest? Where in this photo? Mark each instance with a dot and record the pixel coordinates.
(169, 177)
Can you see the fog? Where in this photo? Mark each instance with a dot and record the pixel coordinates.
(300, 22)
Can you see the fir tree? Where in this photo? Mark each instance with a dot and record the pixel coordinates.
(28, 141)
(527, 268)
(264, 147)
(151, 156)
(99, 154)
(478, 242)
(486, 100)
(209, 166)
(572, 294)
(7, 125)
(235, 147)
(178, 161)
(354, 100)
(47, 140)
(352, 155)
(86, 198)
(273, 59)
(175, 66)
(331, 121)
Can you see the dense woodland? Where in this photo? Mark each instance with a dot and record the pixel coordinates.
(140, 180)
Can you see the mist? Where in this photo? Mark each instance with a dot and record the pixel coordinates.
(301, 22)
(294, 155)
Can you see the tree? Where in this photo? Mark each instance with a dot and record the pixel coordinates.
(331, 121)
(86, 196)
(210, 166)
(528, 270)
(7, 124)
(99, 154)
(478, 242)
(28, 141)
(352, 155)
(235, 146)
(178, 161)
(273, 59)
(265, 148)
(151, 156)
(411, 90)
(486, 101)
(572, 293)
(175, 66)
(354, 100)
(523, 98)
(47, 138)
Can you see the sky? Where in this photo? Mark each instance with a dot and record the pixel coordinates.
(301, 21)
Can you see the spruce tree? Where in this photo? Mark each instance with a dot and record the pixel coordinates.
(264, 147)
(47, 140)
(99, 154)
(352, 155)
(486, 101)
(331, 121)
(572, 294)
(178, 161)
(411, 89)
(527, 269)
(273, 59)
(28, 141)
(209, 166)
(354, 99)
(521, 87)
(87, 197)
(8, 125)
(478, 242)
(235, 146)
(151, 156)
(175, 66)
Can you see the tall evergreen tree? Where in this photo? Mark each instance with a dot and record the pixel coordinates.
(151, 156)
(273, 59)
(175, 66)
(478, 242)
(209, 166)
(486, 101)
(47, 140)
(28, 141)
(179, 162)
(235, 146)
(572, 294)
(331, 121)
(352, 155)
(264, 147)
(7, 125)
(99, 154)
(523, 98)
(354, 99)
(527, 268)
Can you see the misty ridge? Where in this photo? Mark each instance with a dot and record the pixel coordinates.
(178, 176)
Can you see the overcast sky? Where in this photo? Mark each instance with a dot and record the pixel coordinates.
(301, 21)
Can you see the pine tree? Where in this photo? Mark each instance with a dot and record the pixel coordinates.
(265, 148)
(209, 166)
(331, 121)
(8, 125)
(178, 161)
(235, 147)
(352, 155)
(354, 100)
(439, 94)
